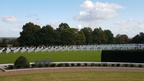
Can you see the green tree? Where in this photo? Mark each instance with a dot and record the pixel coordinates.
(88, 35)
(122, 39)
(68, 36)
(28, 36)
(99, 36)
(110, 36)
(80, 38)
(63, 26)
(46, 35)
(138, 38)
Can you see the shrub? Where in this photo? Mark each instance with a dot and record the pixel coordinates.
(60, 65)
(98, 64)
(78, 64)
(140, 65)
(66, 64)
(104, 64)
(72, 64)
(10, 67)
(113, 65)
(33, 65)
(85, 64)
(117, 65)
(40, 65)
(125, 65)
(22, 62)
(53, 65)
(131, 65)
(46, 65)
(92, 64)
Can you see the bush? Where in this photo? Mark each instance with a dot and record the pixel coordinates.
(33, 65)
(85, 64)
(140, 65)
(60, 65)
(66, 64)
(113, 65)
(117, 65)
(72, 64)
(78, 64)
(46, 65)
(125, 65)
(22, 62)
(104, 64)
(92, 64)
(40, 65)
(10, 67)
(53, 65)
(98, 64)
(131, 65)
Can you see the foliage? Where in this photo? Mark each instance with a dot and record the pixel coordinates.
(22, 62)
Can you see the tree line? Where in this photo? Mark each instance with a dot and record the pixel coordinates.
(34, 35)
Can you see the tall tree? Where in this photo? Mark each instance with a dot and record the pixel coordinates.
(80, 38)
(28, 35)
(122, 39)
(63, 26)
(138, 38)
(110, 36)
(99, 36)
(88, 35)
(68, 36)
(46, 35)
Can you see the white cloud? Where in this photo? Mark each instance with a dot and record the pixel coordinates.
(124, 22)
(9, 19)
(95, 12)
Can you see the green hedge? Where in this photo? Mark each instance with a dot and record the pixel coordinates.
(135, 56)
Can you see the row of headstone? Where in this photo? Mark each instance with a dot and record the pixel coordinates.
(72, 48)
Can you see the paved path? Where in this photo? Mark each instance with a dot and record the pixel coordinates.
(69, 69)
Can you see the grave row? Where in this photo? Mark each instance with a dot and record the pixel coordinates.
(72, 48)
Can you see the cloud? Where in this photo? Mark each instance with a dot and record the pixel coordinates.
(124, 22)
(9, 19)
(95, 12)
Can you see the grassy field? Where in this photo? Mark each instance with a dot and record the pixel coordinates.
(59, 56)
(77, 76)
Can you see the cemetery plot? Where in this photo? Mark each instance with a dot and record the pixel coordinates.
(54, 56)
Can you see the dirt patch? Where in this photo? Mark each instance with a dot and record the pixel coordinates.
(68, 69)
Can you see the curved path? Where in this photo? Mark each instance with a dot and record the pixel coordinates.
(68, 69)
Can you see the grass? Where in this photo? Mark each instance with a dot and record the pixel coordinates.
(77, 76)
(58, 56)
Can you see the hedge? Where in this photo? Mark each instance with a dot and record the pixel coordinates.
(135, 56)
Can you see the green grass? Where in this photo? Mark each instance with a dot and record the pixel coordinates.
(77, 76)
(59, 56)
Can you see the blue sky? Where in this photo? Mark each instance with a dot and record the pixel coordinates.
(119, 16)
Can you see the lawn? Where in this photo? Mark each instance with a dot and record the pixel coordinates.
(58, 56)
(78, 76)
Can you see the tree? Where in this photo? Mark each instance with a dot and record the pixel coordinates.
(138, 38)
(110, 36)
(63, 26)
(28, 36)
(68, 36)
(46, 35)
(88, 35)
(80, 38)
(22, 62)
(122, 39)
(99, 36)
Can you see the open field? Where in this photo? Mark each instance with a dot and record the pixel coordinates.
(58, 56)
(75, 74)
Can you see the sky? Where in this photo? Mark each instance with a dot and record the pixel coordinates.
(119, 16)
